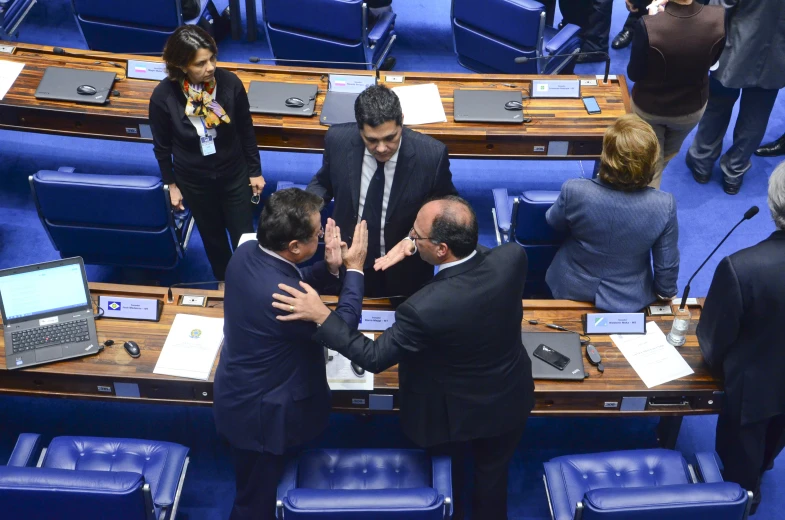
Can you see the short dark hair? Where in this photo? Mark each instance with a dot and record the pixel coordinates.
(376, 105)
(450, 227)
(287, 216)
(182, 46)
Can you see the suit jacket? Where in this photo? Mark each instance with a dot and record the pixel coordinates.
(463, 371)
(612, 237)
(422, 172)
(740, 329)
(271, 387)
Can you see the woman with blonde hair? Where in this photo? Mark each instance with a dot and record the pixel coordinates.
(621, 251)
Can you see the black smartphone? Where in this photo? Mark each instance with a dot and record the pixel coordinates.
(550, 356)
(592, 107)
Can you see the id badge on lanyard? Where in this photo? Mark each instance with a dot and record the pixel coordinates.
(206, 142)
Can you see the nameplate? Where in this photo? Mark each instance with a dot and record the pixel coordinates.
(153, 70)
(376, 320)
(130, 308)
(556, 88)
(614, 323)
(350, 82)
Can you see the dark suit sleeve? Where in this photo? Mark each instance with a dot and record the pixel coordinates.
(318, 276)
(406, 334)
(556, 216)
(639, 53)
(665, 254)
(350, 302)
(721, 316)
(245, 130)
(321, 184)
(444, 185)
(161, 127)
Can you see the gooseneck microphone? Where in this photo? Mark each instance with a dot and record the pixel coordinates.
(170, 297)
(526, 59)
(748, 215)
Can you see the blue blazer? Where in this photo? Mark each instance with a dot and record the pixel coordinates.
(613, 236)
(270, 389)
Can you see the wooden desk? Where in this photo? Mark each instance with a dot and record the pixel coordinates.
(601, 395)
(125, 117)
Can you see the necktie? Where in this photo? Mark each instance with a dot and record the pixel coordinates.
(372, 213)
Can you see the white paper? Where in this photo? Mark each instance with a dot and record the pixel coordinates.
(654, 359)
(245, 237)
(9, 71)
(421, 104)
(191, 347)
(340, 375)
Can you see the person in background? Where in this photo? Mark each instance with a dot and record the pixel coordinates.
(740, 336)
(204, 141)
(271, 392)
(616, 225)
(772, 149)
(670, 59)
(594, 19)
(636, 10)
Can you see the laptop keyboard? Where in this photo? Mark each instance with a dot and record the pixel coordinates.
(50, 335)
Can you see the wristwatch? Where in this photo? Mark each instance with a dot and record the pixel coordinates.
(413, 241)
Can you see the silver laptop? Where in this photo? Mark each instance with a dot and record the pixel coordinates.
(566, 343)
(66, 84)
(153, 70)
(488, 106)
(338, 108)
(47, 313)
(271, 98)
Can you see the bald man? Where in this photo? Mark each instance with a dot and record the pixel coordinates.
(465, 378)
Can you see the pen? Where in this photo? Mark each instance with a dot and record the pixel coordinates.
(554, 326)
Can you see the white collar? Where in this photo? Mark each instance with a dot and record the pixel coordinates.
(279, 257)
(457, 262)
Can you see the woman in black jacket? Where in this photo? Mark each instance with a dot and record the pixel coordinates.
(204, 141)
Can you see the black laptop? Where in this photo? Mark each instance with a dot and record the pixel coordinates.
(487, 106)
(338, 108)
(63, 84)
(270, 98)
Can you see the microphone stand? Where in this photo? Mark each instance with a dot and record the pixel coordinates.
(526, 59)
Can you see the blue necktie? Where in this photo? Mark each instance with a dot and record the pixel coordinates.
(372, 213)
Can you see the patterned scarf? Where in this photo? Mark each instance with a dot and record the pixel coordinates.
(200, 102)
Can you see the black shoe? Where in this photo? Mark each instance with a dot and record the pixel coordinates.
(623, 39)
(388, 63)
(772, 149)
(700, 179)
(731, 188)
(590, 58)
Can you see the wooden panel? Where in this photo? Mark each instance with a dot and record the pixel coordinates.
(552, 119)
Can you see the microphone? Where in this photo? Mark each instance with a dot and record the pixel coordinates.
(170, 297)
(747, 215)
(526, 59)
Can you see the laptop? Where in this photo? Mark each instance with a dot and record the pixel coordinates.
(270, 98)
(153, 70)
(487, 106)
(62, 84)
(338, 108)
(47, 313)
(566, 343)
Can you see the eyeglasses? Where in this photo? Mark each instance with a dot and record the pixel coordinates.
(413, 235)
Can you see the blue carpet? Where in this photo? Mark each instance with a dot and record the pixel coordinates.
(424, 44)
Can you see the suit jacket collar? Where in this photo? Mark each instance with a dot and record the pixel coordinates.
(460, 268)
(277, 264)
(777, 235)
(355, 161)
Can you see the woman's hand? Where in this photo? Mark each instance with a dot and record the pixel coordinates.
(257, 185)
(176, 197)
(657, 6)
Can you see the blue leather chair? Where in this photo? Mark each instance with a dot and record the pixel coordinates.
(366, 485)
(12, 14)
(93, 477)
(327, 30)
(641, 485)
(521, 218)
(490, 34)
(138, 27)
(122, 220)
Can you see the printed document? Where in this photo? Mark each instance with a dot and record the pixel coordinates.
(340, 375)
(654, 359)
(421, 104)
(191, 347)
(9, 71)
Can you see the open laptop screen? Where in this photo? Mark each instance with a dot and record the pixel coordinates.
(43, 291)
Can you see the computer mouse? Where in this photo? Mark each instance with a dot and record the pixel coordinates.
(513, 105)
(132, 348)
(357, 369)
(294, 102)
(86, 90)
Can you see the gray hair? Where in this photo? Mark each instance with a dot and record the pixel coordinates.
(777, 195)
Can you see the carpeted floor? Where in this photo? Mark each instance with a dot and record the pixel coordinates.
(424, 44)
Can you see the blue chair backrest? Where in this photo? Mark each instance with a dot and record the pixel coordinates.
(338, 19)
(516, 21)
(150, 13)
(530, 226)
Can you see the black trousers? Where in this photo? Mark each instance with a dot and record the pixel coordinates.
(219, 205)
(594, 19)
(491, 467)
(257, 476)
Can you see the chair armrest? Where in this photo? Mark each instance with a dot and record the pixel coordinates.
(501, 202)
(65, 480)
(560, 38)
(66, 169)
(288, 479)
(442, 480)
(380, 29)
(334, 500)
(28, 446)
(685, 498)
(708, 467)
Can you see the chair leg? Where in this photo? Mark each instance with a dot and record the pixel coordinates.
(496, 227)
(176, 502)
(749, 505)
(548, 496)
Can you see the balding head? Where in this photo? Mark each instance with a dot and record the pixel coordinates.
(450, 226)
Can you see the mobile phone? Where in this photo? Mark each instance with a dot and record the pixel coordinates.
(550, 356)
(592, 107)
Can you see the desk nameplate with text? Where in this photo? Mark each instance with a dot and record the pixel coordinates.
(130, 308)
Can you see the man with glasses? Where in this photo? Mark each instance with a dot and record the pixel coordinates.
(465, 378)
(271, 390)
(381, 172)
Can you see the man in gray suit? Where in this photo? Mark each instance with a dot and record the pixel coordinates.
(753, 66)
(381, 172)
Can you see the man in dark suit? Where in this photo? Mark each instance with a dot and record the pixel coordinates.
(271, 390)
(465, 378)
(740, 335)
(381, 172)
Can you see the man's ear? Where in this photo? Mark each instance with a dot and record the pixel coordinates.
(294, 247)
(442, 250)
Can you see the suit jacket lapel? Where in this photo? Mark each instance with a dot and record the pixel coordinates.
(460, 268)
(407, 162)
(354, 160)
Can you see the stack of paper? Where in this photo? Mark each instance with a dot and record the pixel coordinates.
(191, 347)
(421, 104)
(9, 71)
(340, 375)
(654, 359)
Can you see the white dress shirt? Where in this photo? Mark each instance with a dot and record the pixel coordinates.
(368, 171)
(457, 262)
